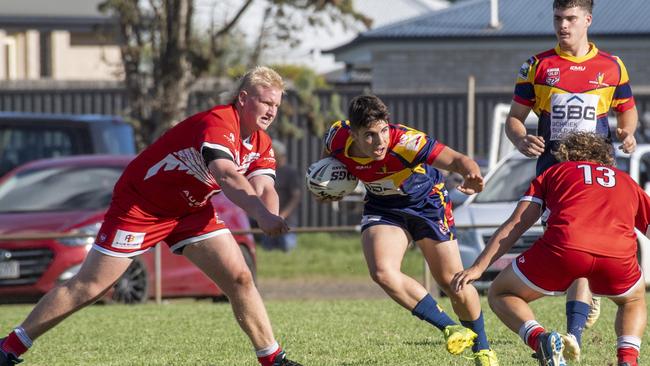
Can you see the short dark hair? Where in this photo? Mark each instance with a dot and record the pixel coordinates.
(587, 5)
(366, 109)
(585, 146)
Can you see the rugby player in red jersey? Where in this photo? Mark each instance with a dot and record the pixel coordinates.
(572, 87)
(406, 201)
(594, 209)
(164, 194)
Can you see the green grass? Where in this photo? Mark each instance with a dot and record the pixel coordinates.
(318, 333)
(319, 256)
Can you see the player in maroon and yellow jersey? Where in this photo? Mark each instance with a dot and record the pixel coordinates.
(572, 87)
(406, 201)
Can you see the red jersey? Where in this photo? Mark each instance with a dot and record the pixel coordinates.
(171, 178)
(593, 208)
(404, 176)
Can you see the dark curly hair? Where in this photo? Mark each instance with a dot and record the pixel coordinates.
(585, 146)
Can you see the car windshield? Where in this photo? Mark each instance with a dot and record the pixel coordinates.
(509, 182)
(59, 189)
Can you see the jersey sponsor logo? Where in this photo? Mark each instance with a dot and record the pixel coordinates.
(362, 167)
(410, 141)
(127, 240)
(523, 71)
(230, 137)
(247, 160)
(366, 219)
(577, 68)
(599, 80)
(552, 76)
(383, 187)
(442, 226)
(384, 170)
(571, 113)
(188, 160)
(193, 202)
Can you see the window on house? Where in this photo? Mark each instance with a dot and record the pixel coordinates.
(10, 61)
(46, 54)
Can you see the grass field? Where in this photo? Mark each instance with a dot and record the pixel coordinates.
(317, 333)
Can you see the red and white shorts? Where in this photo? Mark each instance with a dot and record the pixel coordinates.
(551, 270)
(132, 231)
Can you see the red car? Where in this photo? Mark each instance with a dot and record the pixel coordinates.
(64, 195)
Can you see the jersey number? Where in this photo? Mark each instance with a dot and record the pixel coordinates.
(608, 180)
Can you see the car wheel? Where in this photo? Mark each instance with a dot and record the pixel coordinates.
(133, 286)
(250, 261)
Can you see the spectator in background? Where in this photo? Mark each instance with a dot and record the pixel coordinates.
(288, 184)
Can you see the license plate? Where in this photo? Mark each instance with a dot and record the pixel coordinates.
(9, 269)
(502, 262)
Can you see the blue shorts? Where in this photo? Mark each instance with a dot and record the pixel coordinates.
(430, 218)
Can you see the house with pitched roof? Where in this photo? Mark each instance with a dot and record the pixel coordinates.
(489, 39)
(58, 40)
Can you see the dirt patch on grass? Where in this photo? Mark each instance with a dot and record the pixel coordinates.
(319, 289)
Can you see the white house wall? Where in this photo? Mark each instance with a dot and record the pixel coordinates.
(81, 62)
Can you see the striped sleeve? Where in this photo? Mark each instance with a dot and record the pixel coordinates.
(525, 85)
(623, 98)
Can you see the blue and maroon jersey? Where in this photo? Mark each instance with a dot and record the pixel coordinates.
(572, 94)
(404, 177)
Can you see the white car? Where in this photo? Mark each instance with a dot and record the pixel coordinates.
(478, 217)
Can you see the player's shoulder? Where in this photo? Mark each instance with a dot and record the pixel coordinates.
(337, 134)
(609, 57)
(264, 141)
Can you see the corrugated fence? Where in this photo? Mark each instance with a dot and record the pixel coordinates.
(443, 116)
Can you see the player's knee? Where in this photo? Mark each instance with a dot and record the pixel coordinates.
(493, 297)
(384, 277)
(243, 278)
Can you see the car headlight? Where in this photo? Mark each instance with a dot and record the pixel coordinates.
(86, 236)
(69, 273)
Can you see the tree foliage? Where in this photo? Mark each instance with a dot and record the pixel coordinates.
(164, 55)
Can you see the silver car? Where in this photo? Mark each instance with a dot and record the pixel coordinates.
(478, 217)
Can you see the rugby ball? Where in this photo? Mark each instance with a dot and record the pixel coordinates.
(328, 178)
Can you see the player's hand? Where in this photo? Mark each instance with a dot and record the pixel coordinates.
(472, 183)
(531, 146)
(465, 277)
(627, 139)
(272, 225)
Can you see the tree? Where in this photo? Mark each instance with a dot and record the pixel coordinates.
(163, 55)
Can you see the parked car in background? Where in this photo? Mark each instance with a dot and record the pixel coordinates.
(70, 195)
(30, 136)
(483, 213)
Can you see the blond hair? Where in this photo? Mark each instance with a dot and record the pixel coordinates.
(585, 146)
(260, 76)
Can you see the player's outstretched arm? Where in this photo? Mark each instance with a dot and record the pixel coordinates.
(452, 160)
(529, 145)
(525, 215)
(265, 189)
(237, 188)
